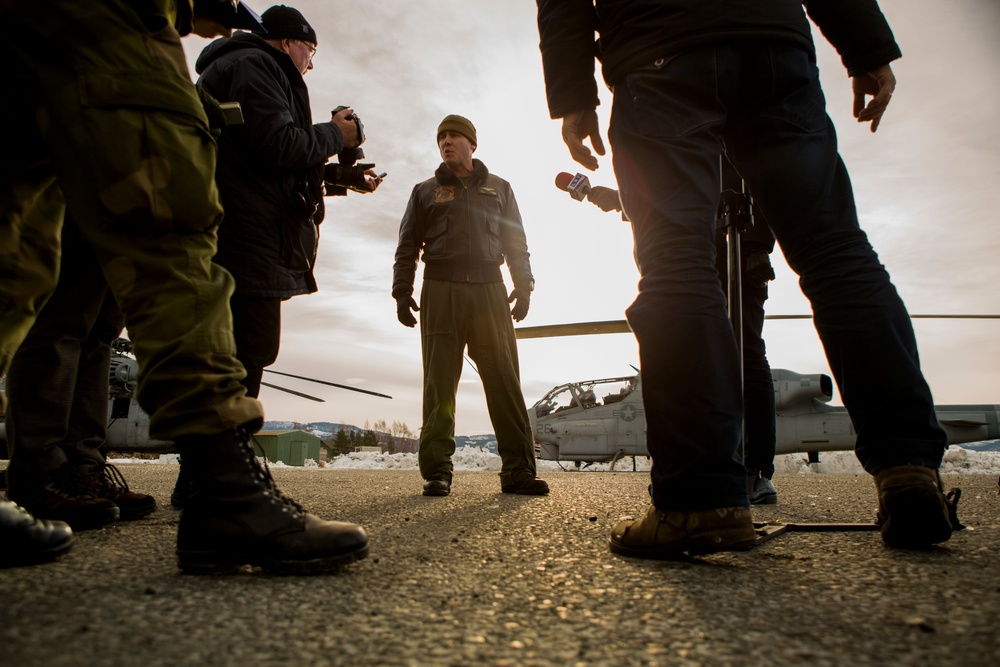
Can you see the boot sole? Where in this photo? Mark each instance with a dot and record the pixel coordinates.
(211, 562)
(695, 545)
(916, 517)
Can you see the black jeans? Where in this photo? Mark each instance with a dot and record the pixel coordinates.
(762, 105)
(257, 330)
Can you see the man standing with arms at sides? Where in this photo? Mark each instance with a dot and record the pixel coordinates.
(466, 222)
(694, 79)
(270, 175)
(110, 127)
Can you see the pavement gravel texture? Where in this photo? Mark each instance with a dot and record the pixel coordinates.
(482, 578)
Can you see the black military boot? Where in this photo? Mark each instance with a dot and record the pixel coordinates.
(183, 488)
(237, 516)
(106, 481)
(26, 540)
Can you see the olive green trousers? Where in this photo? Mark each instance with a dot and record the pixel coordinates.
(454, 316)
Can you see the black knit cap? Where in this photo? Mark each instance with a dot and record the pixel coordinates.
(283, 22)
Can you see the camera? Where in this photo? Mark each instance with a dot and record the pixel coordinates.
(339, 178)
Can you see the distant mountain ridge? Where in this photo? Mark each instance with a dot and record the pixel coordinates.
(487, 441)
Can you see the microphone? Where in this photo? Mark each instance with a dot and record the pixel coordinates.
(577, 186)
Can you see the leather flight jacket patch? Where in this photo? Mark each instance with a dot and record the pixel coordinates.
(444, 194)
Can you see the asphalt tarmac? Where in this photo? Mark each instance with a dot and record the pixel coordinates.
(480, 578)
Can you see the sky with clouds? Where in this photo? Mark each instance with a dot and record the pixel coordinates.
(924, 185)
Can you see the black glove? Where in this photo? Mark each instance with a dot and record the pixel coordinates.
(404, 305)
(758, 268)
(523, 298)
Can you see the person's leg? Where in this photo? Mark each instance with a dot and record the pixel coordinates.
(257, 332)
(787, 151)
(665, 129)
(44, 375)
(758, 387)
(31, 215)
(665, 133)
(442, 336)
(57, 385)
(758, 398)
(55, 378)
(788, 155)
(493, 348)
(88, 424)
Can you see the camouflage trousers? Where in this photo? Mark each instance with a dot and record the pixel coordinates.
(100, 116)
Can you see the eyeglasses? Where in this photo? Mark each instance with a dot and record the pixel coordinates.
(312, 49)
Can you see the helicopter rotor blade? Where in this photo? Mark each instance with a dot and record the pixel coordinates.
(330, 384)
(292, 391)
(472, 365)
(621, 326)
(573, 329)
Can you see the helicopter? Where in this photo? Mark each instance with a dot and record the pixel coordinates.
(128, 424)
(603, 420)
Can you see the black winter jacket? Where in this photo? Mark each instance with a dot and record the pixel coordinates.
(270, 168)
(465, 232)
(636, 32)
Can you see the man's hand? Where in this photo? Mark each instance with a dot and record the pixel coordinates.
(523, 298)
(758, 268)
(879, 83)
(344, 119)
(604, 198)
(404, 305)
(372, 180)
(580, 125)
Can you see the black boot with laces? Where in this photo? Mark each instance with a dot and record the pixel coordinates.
(236, 516)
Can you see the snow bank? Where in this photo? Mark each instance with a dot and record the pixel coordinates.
(956, 460)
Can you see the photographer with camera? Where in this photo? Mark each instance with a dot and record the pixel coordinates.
(271, 174)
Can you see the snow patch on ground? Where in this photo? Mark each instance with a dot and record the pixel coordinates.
(956, 460)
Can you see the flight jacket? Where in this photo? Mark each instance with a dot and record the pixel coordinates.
(463, 233)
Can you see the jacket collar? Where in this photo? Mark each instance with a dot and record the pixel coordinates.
(445, 176)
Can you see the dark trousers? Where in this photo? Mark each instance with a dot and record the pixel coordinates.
(257, 330)
(758, 386)
(57, 384)
(453, 316)
(759, 429)
(762, 105)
